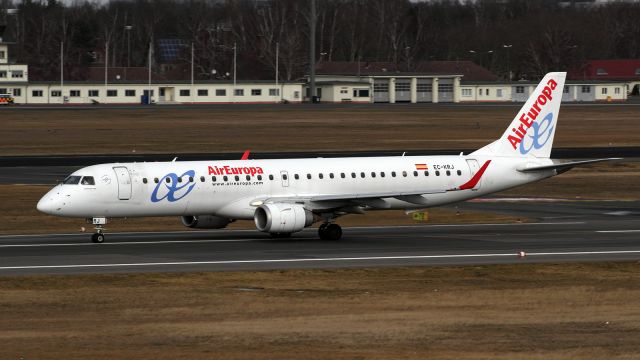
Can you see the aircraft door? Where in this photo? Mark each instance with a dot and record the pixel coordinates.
(284, 175)
(124, 182)
(473, 168)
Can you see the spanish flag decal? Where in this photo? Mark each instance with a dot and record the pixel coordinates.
(421, 167)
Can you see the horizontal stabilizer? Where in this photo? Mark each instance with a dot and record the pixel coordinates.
(563, 166)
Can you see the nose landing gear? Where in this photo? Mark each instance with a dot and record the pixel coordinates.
(98, 236)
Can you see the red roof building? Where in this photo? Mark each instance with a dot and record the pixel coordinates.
(628, 69)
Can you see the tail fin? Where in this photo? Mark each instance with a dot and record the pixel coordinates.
(531, 131)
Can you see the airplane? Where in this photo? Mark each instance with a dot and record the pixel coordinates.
(284, 196)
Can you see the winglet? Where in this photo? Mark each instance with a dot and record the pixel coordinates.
(245, 156)
(475, 179)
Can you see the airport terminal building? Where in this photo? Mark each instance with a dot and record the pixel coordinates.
(336, 82)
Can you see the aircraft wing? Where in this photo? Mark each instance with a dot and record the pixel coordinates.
(562, 166)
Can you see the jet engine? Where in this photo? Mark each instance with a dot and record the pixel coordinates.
(282, 218)
(205, 221)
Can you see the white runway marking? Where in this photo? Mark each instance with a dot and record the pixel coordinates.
(617, 231)
(335, 259)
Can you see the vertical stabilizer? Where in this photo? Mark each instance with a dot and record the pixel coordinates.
(531, 131)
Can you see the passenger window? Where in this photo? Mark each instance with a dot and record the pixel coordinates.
(284, 176)
(144, 180)
(373, 174)
(225, 178)
(71, 180)
(393, 174)
(415, 173)
(437, 173)
(404, 173)
(248, 177)
(155, 180)
(382, 174)
(362, 175)
(296, 176)
(342, 175)
(237, 178)
(426, 173)
(167, 180)
(270, 177)
(179, 179)
(260, 177)
(201, 178)
(309, 176)
(448, 173)
(353, 175)
(321, 176)
(88, 180)
(213, 178)
(459, 172)
(331, 175)
(190, 179)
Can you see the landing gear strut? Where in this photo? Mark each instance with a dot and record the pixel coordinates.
(329, 231)
(99, 223)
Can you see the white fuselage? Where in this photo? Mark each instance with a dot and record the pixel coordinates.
(232, 189)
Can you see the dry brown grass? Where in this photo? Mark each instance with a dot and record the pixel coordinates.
(171, 130)
(572, 311)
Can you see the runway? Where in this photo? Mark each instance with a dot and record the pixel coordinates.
(607, 231)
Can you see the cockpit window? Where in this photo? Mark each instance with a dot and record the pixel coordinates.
(71, 180)
(88, 180)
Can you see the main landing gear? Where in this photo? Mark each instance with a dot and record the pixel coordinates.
(330, 231)
(99, 223)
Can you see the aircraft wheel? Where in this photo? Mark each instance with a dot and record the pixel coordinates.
(97, 238)
(330, 232)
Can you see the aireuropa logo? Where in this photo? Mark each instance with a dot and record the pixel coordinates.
(172, 189)
(538, 136)
(528, 119)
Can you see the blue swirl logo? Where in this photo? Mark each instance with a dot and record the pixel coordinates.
(173, 190)
(539, 135)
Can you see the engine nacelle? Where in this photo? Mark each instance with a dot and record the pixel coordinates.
(282, 218)
(205, 222)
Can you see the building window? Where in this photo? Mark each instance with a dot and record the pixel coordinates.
(499, 93)
(487, 92)
(185, 92)
(616, 91)
(112, 93)
(519, 89)
(480, 92)
(17, 74)
(601, 71)
(586, 89)
(466, 92)
(56, 93)
(296, 94)
(3, 74)
(638, 71)
(203, 92)
(17, 92)
(221, 92)
(94, 93)
(604, 91)
(360, 92)
(74, 93)
(3, 91)
(448, 88)
(239, 92)
(36, 93)
(129, 93)
(345, 91)
(566, 90)
(256, 92)
(274, 92)
(428, 88)
(2, 54)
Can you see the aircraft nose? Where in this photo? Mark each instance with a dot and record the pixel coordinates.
(50, 203)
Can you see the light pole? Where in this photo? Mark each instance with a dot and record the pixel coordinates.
(406, 55)
(235, 57)
(508, 47)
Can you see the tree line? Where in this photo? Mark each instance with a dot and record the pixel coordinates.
(524, 37)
